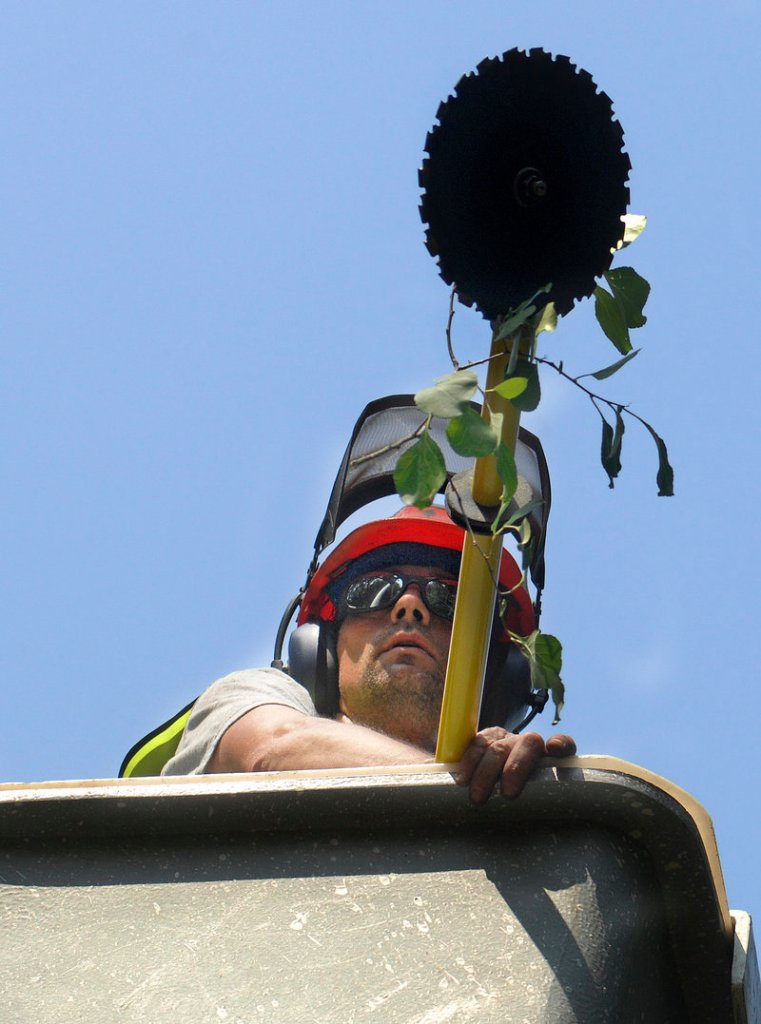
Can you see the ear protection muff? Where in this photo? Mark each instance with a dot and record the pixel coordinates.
(302, 655)
(312, 662)
(508, 699)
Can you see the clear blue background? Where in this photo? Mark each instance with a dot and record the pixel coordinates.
(212, 259)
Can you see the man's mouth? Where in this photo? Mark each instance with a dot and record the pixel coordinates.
(409, 640)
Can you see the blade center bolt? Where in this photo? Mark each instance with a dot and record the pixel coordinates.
(529, 186)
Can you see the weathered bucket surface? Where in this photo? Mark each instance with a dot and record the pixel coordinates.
(362, 896)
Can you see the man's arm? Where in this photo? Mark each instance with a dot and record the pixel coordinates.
(276, 738)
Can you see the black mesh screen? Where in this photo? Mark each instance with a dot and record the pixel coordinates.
(385, 429)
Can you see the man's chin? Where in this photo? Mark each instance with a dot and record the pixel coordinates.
(413, 658)
(401, 700)
(414, 675)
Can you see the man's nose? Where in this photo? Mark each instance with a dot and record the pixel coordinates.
(411, 606)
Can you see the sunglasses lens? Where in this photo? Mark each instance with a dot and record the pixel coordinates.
(373, 592)
(440, 597)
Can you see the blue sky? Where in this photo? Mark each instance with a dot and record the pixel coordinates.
(212, 259)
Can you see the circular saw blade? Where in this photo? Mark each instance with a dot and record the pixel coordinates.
(524, 183)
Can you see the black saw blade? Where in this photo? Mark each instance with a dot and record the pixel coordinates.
(525, 183)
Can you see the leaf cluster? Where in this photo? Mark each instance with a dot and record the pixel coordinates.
(544, 654)
(421, 470)
(619, 310)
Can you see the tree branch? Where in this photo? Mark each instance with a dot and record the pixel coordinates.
(390, 447)
(450, 347)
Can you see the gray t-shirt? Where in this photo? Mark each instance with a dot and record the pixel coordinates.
(225, 702)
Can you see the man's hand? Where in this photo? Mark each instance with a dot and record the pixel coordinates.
(495, 755)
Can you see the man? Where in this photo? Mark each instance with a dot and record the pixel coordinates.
(372, 643)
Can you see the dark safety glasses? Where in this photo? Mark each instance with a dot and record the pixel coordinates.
(382, 590)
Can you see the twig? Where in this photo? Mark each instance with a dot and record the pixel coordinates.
(390, 447)
(481, 362)
(450, 347)
(592, 395)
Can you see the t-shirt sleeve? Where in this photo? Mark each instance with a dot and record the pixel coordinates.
(224, 703)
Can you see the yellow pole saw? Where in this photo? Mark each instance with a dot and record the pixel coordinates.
(525, 187)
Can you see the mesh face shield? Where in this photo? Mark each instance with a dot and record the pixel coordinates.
(384, 431)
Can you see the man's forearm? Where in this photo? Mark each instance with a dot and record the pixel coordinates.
(275, 739)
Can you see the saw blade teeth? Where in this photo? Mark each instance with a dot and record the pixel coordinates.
(465, 299)
(431, 246)
(486, 64)
(462, 86)
(441, 114)
(491, 229)
(586, 77)
(618, 131)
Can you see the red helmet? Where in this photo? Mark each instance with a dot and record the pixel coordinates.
(414, 537)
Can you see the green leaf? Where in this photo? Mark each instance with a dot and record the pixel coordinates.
(549, 652)
(512, 362)
(665, 477)
(611, 318)
(607, 441)
(512, 387)
(528, 399)
(524, 533)
(545, 659)
(613, 368)
(496, 419)
(549, 659)
(470, 435)
(420, 472)
(610, 451)
(634, 225)
(497, 526)
(527, 548)
(611, 459)
(515, 320)
(631, 292)
(520, 516)
(517, 317)
(449, 395)
(548, 320)
(524, 511)
(507, 472)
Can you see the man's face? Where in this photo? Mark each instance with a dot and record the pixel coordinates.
(392, 663)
